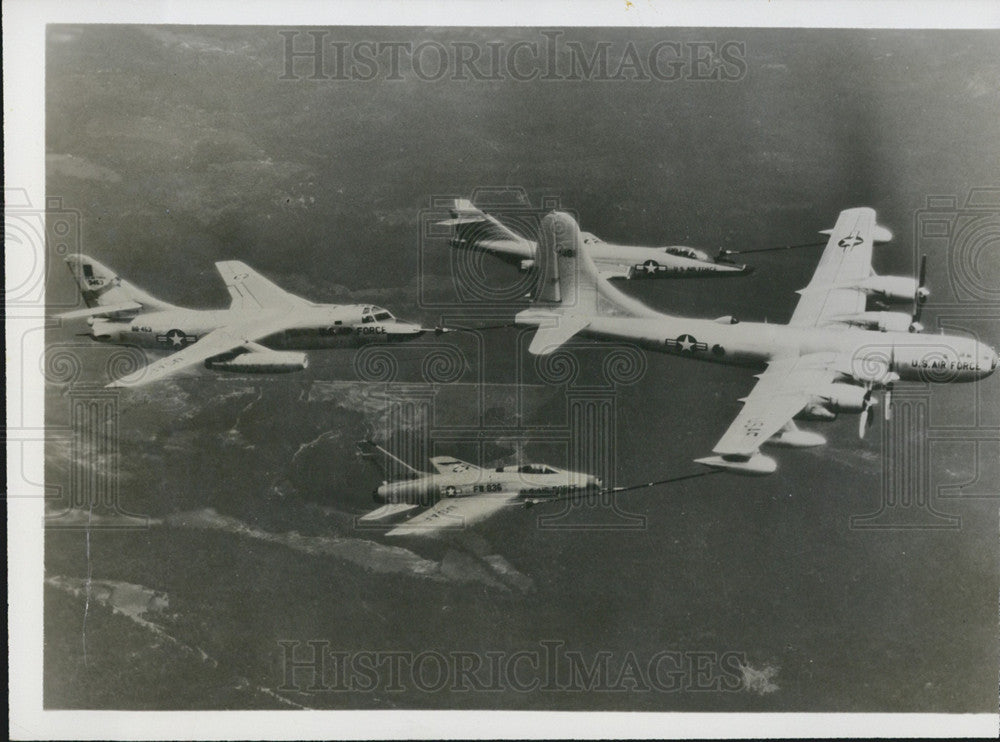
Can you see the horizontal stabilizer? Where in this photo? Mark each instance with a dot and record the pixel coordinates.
(387, 511)
(462, 220)
(879, 233)
(549, 339)
(99, 311)
(621, 272)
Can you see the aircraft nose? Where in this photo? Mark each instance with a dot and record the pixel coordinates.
(405, 331)
(989, 357)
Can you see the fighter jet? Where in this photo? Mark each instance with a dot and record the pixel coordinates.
(475, 230)
(829, 359)
(458, 494)
(256, 334)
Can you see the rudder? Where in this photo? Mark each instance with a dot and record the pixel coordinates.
(102, 287)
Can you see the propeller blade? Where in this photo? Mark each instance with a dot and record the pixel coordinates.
(863, 422)
(888, 403)
(920, 297)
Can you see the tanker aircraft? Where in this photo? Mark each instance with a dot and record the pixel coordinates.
(458, 494)
(475, 230)
(256, 334)
(828, 359)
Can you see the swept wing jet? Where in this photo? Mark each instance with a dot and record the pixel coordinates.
(258, 333)
(476, 230)
(828, 359)
(457, 494)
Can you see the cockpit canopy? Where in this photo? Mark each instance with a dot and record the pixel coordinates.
(376, 314)
(535, 469)
(687, 252)
(527, 469)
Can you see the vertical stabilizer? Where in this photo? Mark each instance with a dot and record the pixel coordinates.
(102, 287)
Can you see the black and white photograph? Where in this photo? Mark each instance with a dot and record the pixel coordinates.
(639, 365)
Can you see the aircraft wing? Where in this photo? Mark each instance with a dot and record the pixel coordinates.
(451, 465)
(387, 511)
(454, 513)
(250, 290)
(785, 387)
(218, 341)
(846, 260)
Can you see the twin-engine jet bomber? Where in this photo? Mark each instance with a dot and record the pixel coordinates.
(458, 494)
(828, 359)
(474, 230)
(256, 334)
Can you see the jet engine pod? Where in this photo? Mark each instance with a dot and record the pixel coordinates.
(261, 362)
(797, 439)
(843, 398)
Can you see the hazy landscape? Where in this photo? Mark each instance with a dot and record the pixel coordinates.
(181, 146)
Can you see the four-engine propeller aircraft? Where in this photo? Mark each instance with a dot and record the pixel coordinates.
(828, 359)
(458, 494)
(475, 230)
(256, 334)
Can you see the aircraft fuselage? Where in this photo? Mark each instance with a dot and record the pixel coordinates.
(309, 328)
(468, 482)
(866, 354)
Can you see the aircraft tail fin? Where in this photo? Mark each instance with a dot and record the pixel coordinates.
(570, 279)
(474, 229)
(570, 292)
(103, 290)
(393, 468)
(250, 290)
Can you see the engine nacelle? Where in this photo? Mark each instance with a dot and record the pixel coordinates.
(817, 412)
(893, 289)
(836, 398)
(842, 398)
(881, 321)
(796, 438)
(261, 362)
